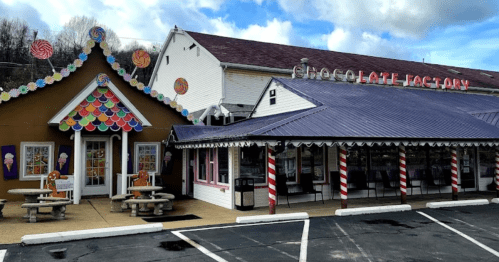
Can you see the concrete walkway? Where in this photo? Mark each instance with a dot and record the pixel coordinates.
(95, 213)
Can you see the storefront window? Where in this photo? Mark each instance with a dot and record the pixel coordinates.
(252, 165)
(36, 159)
(223, 165)
(312, 162)
(201, 164)
(356, 161)
(487, 161)
(384, 158)
(415, 162)
(286, 164)
(440, 162)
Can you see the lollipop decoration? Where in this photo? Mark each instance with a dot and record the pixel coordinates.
(141, 59)
(42, 49)
(98, 34)
(181, 86)
(102, 80)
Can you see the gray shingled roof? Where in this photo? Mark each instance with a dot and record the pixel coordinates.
(246, 52)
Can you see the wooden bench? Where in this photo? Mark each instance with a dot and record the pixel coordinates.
(58, 209)
(170, 197)
(118, 204)
(158, 205)
(2, 203)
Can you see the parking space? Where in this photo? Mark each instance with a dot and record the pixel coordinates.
(451, 234)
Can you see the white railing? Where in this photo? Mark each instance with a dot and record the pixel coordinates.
(69, 192)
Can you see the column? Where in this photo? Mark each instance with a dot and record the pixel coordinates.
(403, 174)
(343, 176)
(271, 175)
(77, 169)
(454, 173)
(124, 161)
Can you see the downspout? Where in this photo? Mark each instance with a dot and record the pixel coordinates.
(111, 165)
(205, 113)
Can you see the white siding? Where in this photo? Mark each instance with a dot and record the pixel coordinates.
(244, 86)
(286, 101)
(203, 74)
(213, 195)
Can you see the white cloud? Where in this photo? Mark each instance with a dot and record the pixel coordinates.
(402, 18)
(274, 31)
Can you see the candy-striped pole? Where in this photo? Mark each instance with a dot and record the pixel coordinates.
(343, 176)
(271, 172)
(403, 174)
(454, 173)
(497, 171)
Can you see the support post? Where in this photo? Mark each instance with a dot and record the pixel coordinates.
(124, 161)
(403, 175)
(454, 173)
(271, 175)
(77, 169)
(497, 172)
(343, 176)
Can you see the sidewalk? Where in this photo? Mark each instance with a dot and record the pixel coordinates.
(95, 213)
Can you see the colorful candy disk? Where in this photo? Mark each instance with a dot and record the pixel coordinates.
(102, 80)
(41, 49)
(181, 86)
(141, 58)
(98, 34)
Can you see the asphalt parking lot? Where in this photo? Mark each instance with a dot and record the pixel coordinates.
(449, 234)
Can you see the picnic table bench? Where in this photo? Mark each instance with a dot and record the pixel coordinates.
(53, 199)
(58, 209)
(158, 205)
(170, 197)
(118, 204)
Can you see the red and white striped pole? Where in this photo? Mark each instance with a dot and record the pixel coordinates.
(403, 175)
(343, 176)
(272, 188)
(454, 173)
(497, 172)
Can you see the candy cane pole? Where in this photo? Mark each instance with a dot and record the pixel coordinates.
(454, 173)
(403, 173)
(343, 176)
(497, 171)
(271, 174)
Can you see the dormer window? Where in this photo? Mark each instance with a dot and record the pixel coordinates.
(272, 97)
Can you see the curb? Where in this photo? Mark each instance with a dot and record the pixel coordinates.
(495, 200)
(90, 233)
(372, 210)
(460, 203)
(272, 218)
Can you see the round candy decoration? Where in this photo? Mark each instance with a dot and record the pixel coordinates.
(14, 93)
(5, 96)
(98, 34)
(116, 66)
(190, 117)
(23, 90)
(102, 79)
(71, 67)
(78, 62)
(134, 82)
(141, 58)
(87, 50)
(104, 45)
(140, 86)
(107, 52)
(121, 71)
(49, 80)
(83, 57)
(57, 77)
(181, 86)
(90, 43)
(154, 93)
(127, 77)
(64, 72)
(40, 83)
(110, 59)
(32, 86)
(41, 49)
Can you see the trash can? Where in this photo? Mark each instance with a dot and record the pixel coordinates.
(244, 193)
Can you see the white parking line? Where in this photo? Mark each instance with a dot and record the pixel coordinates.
(461, 234)
(351, 240)
(199, 247)
(2, 254)
(244, 225)
(304, 241)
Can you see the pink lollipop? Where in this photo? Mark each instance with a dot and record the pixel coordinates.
(41, 49)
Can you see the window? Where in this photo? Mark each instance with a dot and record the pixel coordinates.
(211, 162)
(223, 165)
(167, 60)
(487, 161)
(201, 164)
(37, 159)
(286, 164)
(147, 156)
(272, 97)
(253, 164)
(312, 162)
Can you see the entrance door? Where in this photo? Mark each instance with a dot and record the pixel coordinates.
(190, 173)
(96, 166)
(467, 168)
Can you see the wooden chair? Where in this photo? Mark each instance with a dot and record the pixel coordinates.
(386, 183)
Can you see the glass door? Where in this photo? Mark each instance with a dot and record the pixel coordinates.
(467, 168)
(96, 161)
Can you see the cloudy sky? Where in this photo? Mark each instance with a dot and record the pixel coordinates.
(462, 33)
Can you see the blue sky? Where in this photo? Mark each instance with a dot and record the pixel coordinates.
(459, 33)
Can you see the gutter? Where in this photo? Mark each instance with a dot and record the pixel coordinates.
(256, 68)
